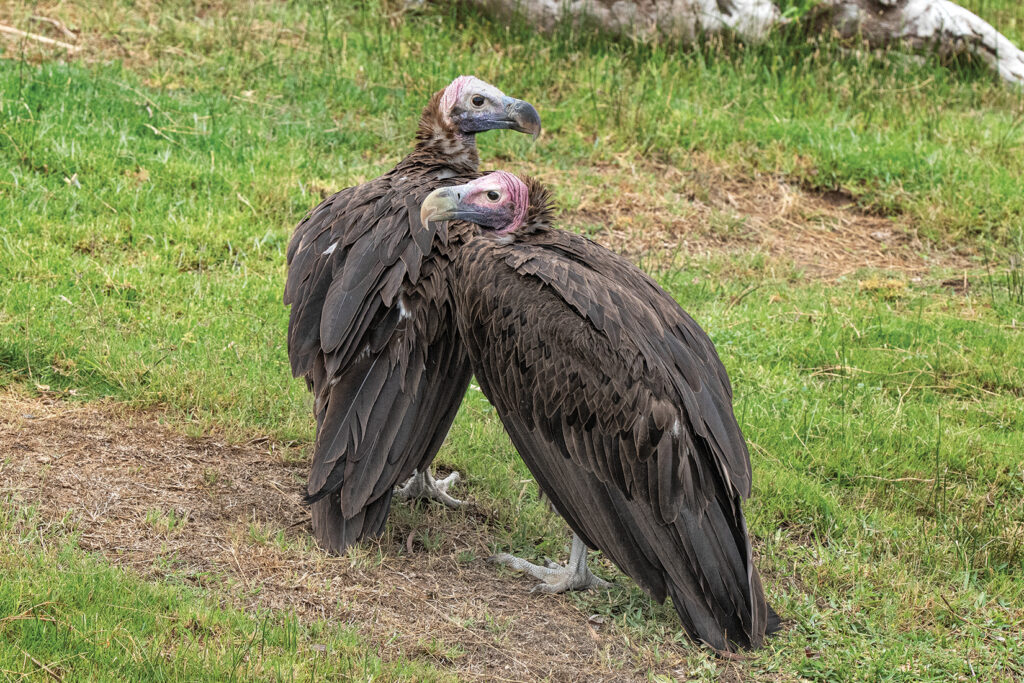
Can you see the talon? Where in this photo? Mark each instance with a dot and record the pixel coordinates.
(556, 578)
(423, 485)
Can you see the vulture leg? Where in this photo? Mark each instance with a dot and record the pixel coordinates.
(423, 485)
(574, 576)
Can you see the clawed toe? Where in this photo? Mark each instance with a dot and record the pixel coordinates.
(554, 577)
(423, 485)
(450, 480)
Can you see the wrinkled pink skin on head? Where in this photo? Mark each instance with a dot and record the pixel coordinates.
(515, 195)
(452, 92)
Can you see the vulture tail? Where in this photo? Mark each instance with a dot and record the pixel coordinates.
(334, 533)
(718, 596)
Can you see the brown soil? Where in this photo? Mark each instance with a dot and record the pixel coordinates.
(116, 475)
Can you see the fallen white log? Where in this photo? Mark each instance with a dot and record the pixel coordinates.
(677, 19)
(921, 24)
(934, 24)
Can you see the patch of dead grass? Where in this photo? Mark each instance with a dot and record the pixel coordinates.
(228, 517)
(667, 215)
(139, 34)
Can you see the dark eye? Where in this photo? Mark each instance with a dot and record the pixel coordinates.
(493, 195)
(478, 100)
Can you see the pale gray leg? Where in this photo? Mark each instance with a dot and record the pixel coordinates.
(423, 485)
(574, 576)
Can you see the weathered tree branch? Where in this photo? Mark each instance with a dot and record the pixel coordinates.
(677, 19)
(929, 24)
(921, 24)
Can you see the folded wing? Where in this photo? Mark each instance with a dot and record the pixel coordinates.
(619, 405)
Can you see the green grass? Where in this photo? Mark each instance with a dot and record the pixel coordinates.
(889, 490)
(69, 615)
(1006, 16)
(147, 199)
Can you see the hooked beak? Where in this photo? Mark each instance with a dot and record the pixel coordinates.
(440, 205)
(445, 204)
(522, 116)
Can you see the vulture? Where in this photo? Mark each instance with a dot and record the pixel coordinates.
(372, 326)
(617, 402)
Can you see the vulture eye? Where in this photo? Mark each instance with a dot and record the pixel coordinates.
(493, 195)
(478, 100)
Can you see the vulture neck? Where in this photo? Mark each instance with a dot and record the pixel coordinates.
(541, 211)
(439, 143)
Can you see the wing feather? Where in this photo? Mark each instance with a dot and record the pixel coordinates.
(623, 418)
(634, 312)
(371, 333)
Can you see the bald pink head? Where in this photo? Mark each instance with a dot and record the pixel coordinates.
(473, 106)
(455, 90)
(512, 198)
(497, 201)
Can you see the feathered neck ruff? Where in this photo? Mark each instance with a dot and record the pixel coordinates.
(540, 212)
(440, 143)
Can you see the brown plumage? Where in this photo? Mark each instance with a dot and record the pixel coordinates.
(372, 325)
(619, 405)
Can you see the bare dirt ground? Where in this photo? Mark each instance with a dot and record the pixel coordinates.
(228, 517)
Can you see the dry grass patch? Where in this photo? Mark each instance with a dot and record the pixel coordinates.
(146, 35)
(227, 517)
(665, 216)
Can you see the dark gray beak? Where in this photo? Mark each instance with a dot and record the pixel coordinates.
(523, 117)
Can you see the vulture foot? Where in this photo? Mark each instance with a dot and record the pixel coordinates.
(423, 485)
(574, 576)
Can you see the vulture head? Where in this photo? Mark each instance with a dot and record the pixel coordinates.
(473, 106)
(498, 202)
(466, 107)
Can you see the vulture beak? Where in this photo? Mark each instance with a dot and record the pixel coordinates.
(445, 204)
(522, 116)
(440, 205)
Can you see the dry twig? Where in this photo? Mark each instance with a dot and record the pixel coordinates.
(18, 33)
(57, 24)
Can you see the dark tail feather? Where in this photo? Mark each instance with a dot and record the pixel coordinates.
(335, 534)
(702, 625)
(716, 590)
(697, 618)
(377, 515)
(774, 622)
(764, 613)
